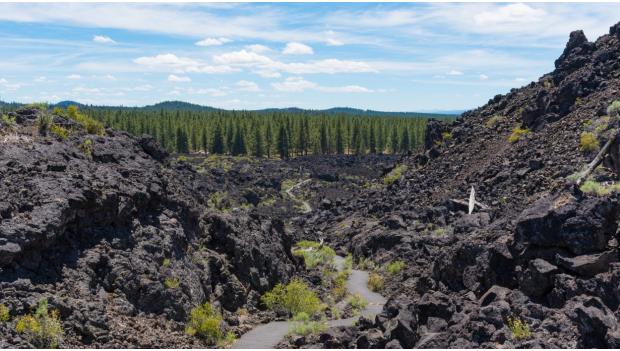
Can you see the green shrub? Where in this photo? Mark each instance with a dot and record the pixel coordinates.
(517, 133)
(339, 291)
(44, 122)
(348, 263)
(593, 187)
(4, 313)
(588, 142)
(314, 253)
(43, 329)
(206, 323)
(519, 329)
(61, 132)
(91, 125)
(375, 282)
(218, 200)
(395, 267)
(357, 302)
(182, 158)
(302, 325)
(172, 283)
(295, 297)
(166, 263)
(614, 107)
(366, 264)
(493, 121)
(394, 174)
(43, 106)
(9, 121)
(87, 147)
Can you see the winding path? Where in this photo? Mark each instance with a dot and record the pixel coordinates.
(267, 336)
(289, 192)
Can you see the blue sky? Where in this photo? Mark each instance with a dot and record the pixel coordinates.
(392, 57)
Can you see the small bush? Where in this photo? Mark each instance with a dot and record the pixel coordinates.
(613, 108)
(302, 325)
(446, 136)
(295, 297)
(339, 291)
(395, 267)
(358, 302)
(166, 263)
(519, 329)
(218, 200)
(172, 283)
(588, 142)
(91, 125)
(517, 133)
(43, 106)
(182, 158)
(375, 282)
(348, 263)
(314, 253)
(87, 147)
(593, 187)
(366, 264)
(4, 313)
(493, 121)
(206, 323)
(43, 329)
(44, 122)
(59, 131)
(394, 174)
(8, 120)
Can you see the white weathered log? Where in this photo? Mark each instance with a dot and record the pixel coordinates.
(597, 161)
(472, 200)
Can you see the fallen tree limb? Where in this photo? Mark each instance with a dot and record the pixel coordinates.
(595, 162)
(466, 204)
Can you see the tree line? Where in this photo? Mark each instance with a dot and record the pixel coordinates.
(267, 134)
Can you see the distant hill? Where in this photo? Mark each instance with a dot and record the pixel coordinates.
(186, 106)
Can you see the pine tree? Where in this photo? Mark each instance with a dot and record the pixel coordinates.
(324, 141)
(182, 144)
(269, 139)
(404, 143)
(218, 141)
(371, 140)
(204, 141)
(238, 147)
(283, 143)
(339, 140)
(394, 141)
(258, 143)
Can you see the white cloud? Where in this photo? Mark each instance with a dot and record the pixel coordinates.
(258, 48)
(245, 85)
(213, 41)
(520, 80)
(295, 48)
(40, 79)
(334, 42)
(454, 72)
(102, 39)
(268, 74)
(9, 86)
(299, 84)
(74, 76)
(109, 77)
(171, 62)
(180, 79)
(483, 77)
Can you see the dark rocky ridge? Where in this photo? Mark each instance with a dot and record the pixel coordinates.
(91, 233)
(543, 251)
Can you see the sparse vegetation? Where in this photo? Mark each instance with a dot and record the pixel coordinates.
(446, 136)
(59, 131)
(493, 121)
(303, 325)
(8, 120)
(366, 264)
(91, 125)
(357, 302)
(206, 323)
(44, 122)
(166, 263)
(314, 253)
(87, 147)
(5, 316)
(395, 267)
(295, 297)
(375, 282)
(394, 174)
(614, 107)
(519, 328)
(172, 283)
(517, 133)
(43, 328)
(593, 187)
(588, 142)
(219, 200)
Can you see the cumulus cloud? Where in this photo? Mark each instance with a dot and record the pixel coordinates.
(299, 84)
(74, 76)
(454, 72)
(9, 86)
(40, 79)
(172, 62)
(102, 39)
(295, 48)
(213, 41)
(258, 48)
(334, 42)
(180, 79)
(245, 85)
(483, 77)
